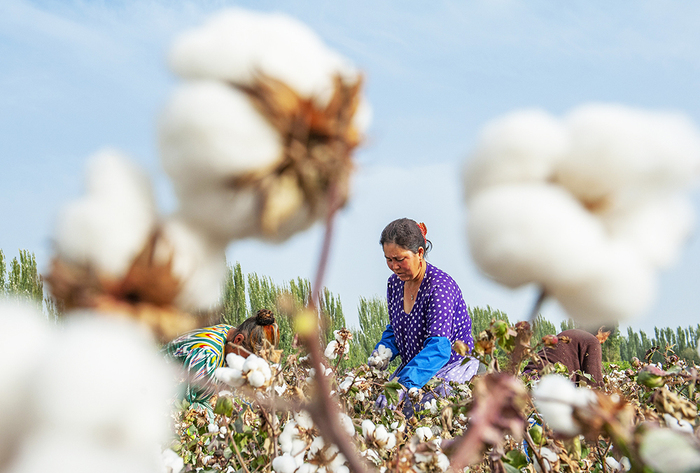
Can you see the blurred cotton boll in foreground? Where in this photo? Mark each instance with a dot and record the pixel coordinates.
(667, 451)
(588, 207)
(94, 389)
(258, 140)
(108, 227)
(115, 254)
(555, 397)
(21, 358)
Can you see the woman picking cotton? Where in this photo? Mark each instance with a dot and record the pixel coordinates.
(204, 350)
(427, 312)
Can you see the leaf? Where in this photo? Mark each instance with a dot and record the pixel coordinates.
(516, 459)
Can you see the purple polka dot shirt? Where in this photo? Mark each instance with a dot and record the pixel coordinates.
(439, 311)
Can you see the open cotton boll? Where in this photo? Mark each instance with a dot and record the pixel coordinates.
(108, 227)
(60, 451)
(520, 147)
(657, 228)
(198, 262)
(236, 44)
(210, 131)
(17, 371)
(615, 148)
(622, 288)
(667, 451)
(527, 233)
(555, 398)
(106, 380)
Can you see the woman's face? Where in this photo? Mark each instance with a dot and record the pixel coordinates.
(403, 262)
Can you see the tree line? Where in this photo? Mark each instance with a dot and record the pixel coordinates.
(244, 295)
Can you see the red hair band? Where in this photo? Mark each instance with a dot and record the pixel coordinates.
(423, 230)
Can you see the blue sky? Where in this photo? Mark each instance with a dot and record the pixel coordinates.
(77, 76)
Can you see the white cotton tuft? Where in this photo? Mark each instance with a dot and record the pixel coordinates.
(198, 262)
(368, 428)
(61, 451)
(235, 361)
(555, 398)
(347, 424)
(236, 44)
(617, 149)
(527, 233)
(520, 147)
(667, 451)
(622, 288)
(657, 228)
(210, 131)
(18, 370)
(284, 464)
(230, 376)
(106, 380)
(330, 350)
(172, 462)
(107, 228)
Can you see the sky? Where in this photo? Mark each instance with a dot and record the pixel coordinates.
(79, 76)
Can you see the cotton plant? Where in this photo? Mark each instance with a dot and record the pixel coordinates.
(75, 394)
(589, 206)
(115, 254)
(259, 136)
(340, 345)
(253, 371)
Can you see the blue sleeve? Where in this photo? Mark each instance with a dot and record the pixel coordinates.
(389, 341)
(435, 353)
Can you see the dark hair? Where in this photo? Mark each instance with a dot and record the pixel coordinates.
(407, 234)
(258, 330)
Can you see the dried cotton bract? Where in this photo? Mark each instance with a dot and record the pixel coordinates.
(258, 139)
(589, 207)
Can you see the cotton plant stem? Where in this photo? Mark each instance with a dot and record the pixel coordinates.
(536, 308)
(535, 451)
(323, 409)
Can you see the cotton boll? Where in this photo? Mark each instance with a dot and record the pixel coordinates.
(61, 451)
(657, 228)
(615, 148)
(527, 233)
(624, 286)
(367, 428)
(211, 131)
(347, 424)
(172, 462)
(237, 44)
(666, 451)
(284, 464)
(108, 227)
(235, 361)
(520, 147)
(106, 380)
(231, 376)
(17, 371)
(198, 261)
(256, 379)
(330, 350)
(555, 397)
(222, 212)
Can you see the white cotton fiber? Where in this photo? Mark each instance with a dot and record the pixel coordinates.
(236, 44)
(108, 227)
(105, 380)
(518, 148)
(623, 287)
(198, 262)
(524, 233)
(24, 336)
(616, 148)
(211, 132)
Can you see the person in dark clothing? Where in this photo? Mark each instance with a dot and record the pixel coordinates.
(578, 350)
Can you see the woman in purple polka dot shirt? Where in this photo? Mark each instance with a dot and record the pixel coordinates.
(427, 313)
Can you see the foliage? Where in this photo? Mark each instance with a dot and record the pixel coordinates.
(23, 281)
(477, 424)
